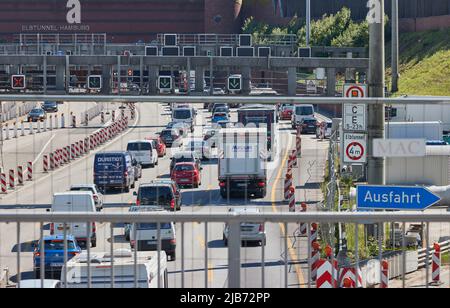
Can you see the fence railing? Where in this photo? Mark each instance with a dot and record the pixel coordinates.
(234, 221)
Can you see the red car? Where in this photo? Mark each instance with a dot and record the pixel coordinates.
(286, 112)
(186, 174)
(160, 145)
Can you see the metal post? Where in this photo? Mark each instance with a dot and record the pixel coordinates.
(308, 22)
(234, 255)
(395, 47)
(375, 166)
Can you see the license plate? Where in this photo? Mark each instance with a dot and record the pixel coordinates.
(184, 180)
(242, 185)
(151, 242)
(57, 264)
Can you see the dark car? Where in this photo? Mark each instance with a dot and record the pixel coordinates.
(169, 136)
(158, 194)
(309, 125)
(50, 106)
(36, 114)
(218, 105)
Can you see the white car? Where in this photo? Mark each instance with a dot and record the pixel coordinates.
(250, 231)
(98, 196)
(328, 126)
(201, 147)
(144, 151)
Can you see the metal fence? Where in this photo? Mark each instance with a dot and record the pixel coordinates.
(234, 221)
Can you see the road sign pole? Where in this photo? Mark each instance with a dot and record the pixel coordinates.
(376, 113)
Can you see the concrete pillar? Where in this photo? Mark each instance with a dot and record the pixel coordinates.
(199, 77)
(153, 73)
(60, 81)
(331, 82)
(292, 81)
(246, 79)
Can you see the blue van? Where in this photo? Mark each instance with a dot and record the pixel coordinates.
(114, 170)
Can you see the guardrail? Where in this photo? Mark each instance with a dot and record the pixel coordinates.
(234, 221)
(426, 253)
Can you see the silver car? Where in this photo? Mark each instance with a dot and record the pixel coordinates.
(250, 231)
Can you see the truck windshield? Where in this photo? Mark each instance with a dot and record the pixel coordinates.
(182, 114)
(153, 226)
(139, 146)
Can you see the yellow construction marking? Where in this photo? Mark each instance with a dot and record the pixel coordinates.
(292, 252)
(210, 272)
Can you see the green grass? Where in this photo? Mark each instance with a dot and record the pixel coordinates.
(445, 259)
(424, 63)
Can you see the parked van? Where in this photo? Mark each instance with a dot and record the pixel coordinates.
(144, 151)
(114, 170)
(301, 112)
(75, 202)
(124, 270)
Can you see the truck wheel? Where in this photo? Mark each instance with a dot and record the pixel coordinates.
(225, 241)
(173, 256)
(37, 274)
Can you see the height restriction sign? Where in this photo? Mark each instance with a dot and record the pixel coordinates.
(355, 148)
(355, 90)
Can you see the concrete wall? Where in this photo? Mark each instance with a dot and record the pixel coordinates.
(424, 23)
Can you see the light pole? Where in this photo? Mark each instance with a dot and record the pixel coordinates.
(308, 22)
(395, 47)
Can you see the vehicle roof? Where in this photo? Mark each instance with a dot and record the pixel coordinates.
(113, 153)
(139, 141)
(257, 107)
(153, 184)
(190, 163)
(303, 105)
(36, 284)
(245, 210)
(184, 153)
(71, 193)
(146, 208)
(82, 185)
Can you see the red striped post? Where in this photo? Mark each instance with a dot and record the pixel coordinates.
(292, 199)
(30, 171)
(45, 157)
(303, 226)
(384, 275)
(19, 175)
(3, 184)
(436, 265)
(287, 185)
(52, 161)
(12, 180)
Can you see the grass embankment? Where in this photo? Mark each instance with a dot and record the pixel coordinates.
(424, 63)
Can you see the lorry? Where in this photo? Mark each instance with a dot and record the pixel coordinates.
(243, 162)
(415, 130)
(420, 113)
(261, 116)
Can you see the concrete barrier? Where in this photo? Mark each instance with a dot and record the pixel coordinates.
(4, 278)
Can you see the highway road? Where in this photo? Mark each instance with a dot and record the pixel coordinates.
(206, 199)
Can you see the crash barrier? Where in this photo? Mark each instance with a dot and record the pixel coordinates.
(79, 148)
(422, 253)
(349, 274)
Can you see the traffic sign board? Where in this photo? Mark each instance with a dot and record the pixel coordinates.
(395, 198)
(355, 148)
(235, 83)
(94, 82)
(165, 82)
(355, 117)
(18, 82)
(355, 90)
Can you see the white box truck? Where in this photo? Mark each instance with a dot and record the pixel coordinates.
(421, 113)
(415, 130)
(243, 162)
(124, 270)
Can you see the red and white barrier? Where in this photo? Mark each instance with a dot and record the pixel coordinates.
(303, 226)
(45, 158)
(350, 273)
(294, 158)
(327, 274)
(102, 117)
(287, 186)
(436, 265)
(113, 115)
(384, 275)
(30, 171)
(292, 199)
(315, 258)
(19, 175)
(52, 161)
(299, 146)
(73, 152)
(3, 184)
(12, 180)
(81, 145)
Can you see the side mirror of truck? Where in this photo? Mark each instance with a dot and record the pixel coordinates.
(135, 193)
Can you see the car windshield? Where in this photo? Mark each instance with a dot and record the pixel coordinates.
(167, 133)
(58, 245)
(155, 195)
(309, 121)
(51, 104)
(37, 111)
(139, 146)
(184, 168)
(288, 108)
(182, 114)
(222, 109)
(307, 110)
(154, 226)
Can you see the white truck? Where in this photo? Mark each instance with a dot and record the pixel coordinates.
(420, 113)
(124, 270)
(415, 130)
(243, 162)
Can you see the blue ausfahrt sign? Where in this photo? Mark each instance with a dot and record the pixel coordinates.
(400, 198)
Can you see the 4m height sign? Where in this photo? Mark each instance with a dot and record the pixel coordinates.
(355, 148)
